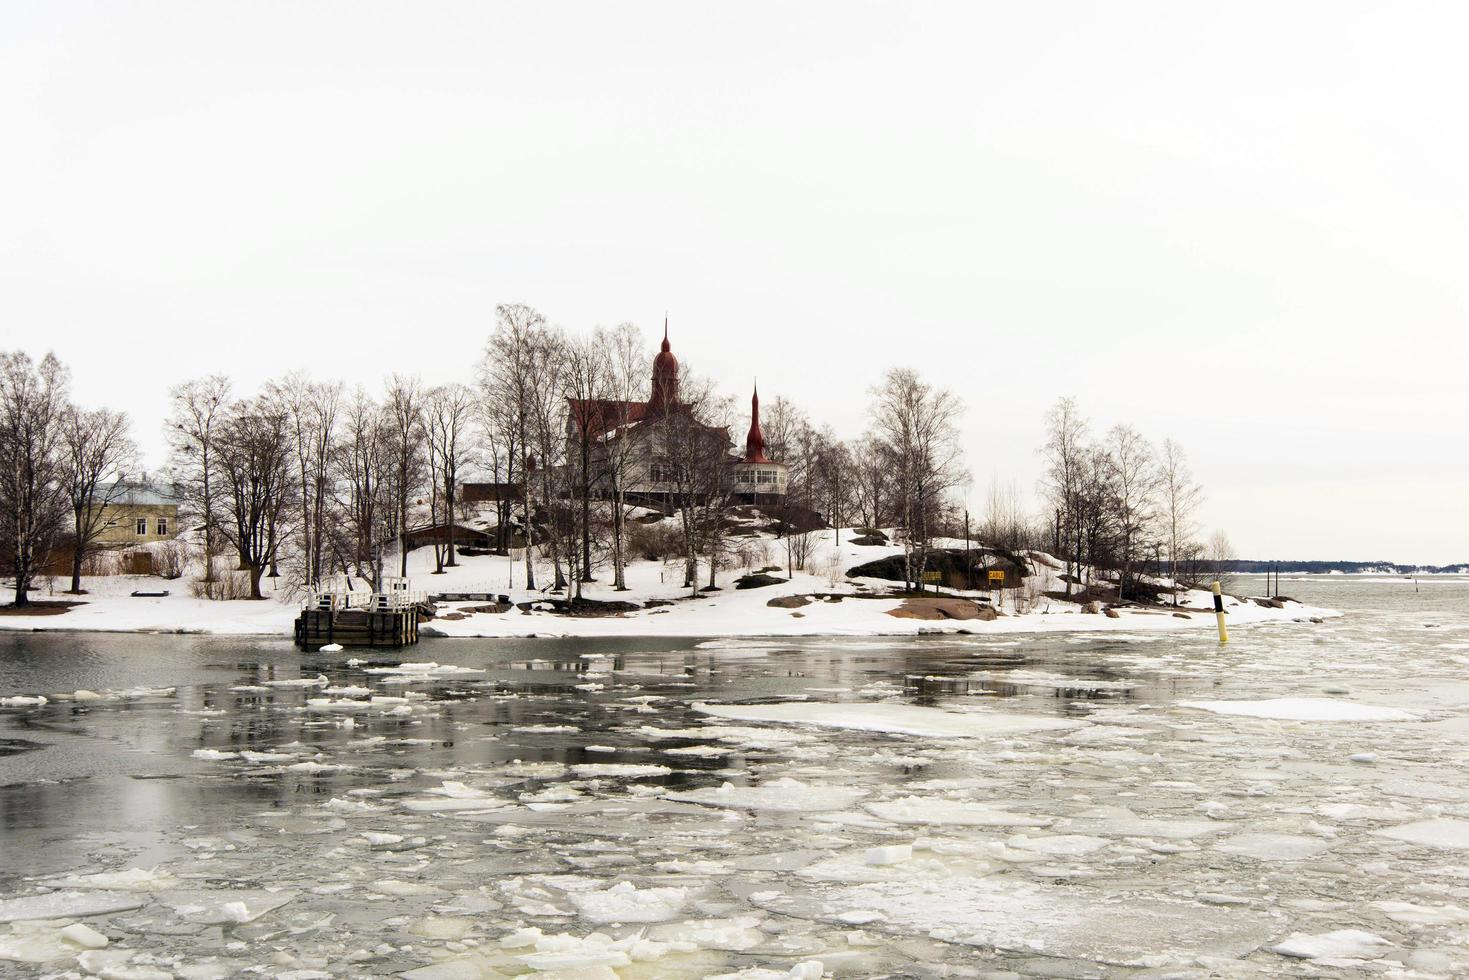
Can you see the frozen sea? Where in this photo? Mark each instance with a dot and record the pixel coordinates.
(1068, 805)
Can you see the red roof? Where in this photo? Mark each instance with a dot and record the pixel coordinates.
(596, 417)
(755, 440)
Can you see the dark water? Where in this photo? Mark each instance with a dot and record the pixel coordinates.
(113, 784)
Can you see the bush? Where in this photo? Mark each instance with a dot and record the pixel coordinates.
(170, 559)
(653, 542)
(232, 584)
(105, 562)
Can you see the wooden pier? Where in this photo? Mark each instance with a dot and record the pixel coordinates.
(361, 619)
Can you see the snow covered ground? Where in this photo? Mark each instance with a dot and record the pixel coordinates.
(109, 606)
(1133, 803)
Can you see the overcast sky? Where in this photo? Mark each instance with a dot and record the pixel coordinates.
(1239, 225)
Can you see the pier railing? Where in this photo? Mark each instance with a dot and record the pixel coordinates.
(365, 601)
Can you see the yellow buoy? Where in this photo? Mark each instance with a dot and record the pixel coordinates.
(1219, 614)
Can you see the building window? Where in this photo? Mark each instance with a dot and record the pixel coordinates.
(142, 525)
(765, 476)
(162, 527)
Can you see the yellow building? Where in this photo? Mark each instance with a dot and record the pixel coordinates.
(140, 513)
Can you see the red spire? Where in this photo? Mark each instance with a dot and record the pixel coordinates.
(755, 441)
(665, 376)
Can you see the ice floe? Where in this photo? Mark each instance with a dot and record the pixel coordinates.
(896, 719)
(1302, 709)
(784, 794)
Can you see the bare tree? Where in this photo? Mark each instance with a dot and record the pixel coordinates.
(546, 426)
(198, 406)
(253, 444)
(833, 480)
(1221, 555)
(626, 382)
(99, 453)
(1005, 523)
(591, 415)
(1135, 496)
(499, 456)
(1065, 453)
(1181, 497)
(403, 406)
(508, 379)
(694, 461)
(918, 424)
(449, 410)
(869, 481)
(362, 465)
(33, 497)
(314, 409)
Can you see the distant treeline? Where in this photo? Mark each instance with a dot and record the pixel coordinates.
(1250, 567)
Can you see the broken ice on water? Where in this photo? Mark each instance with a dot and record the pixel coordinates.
(1290, 805)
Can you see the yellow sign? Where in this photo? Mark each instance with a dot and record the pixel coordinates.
(933, 576)
(997, 576)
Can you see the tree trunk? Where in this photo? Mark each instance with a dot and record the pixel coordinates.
(619, 580)
(530, 569)
(586, 512)
(449, 510)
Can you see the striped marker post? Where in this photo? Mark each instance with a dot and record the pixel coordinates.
(1219, 615)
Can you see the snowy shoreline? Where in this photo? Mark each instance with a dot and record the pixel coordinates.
(269, 619)
(837, 606)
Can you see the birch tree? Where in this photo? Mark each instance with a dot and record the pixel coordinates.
(919, 427)
(33, 499)
(403, 408)
(197, 409)
(626, 382)
(362, 467)
(450, 410)
(508, 379)
(1065, 453)
(1181, 497)
(253, 444)
(99, 453)
(314, 409)
(1135, 495)
(590, 416)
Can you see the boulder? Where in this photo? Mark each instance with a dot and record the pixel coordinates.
(940, 607)
(789, 601)
(1111, 613)
(1092, 608)
(757, 580)
(1182, 616)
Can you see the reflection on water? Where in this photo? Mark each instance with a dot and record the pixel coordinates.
(518, 786)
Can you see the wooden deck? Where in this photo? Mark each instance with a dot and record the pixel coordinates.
(357, 627)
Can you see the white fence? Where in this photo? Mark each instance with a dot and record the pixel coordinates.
(370, 601)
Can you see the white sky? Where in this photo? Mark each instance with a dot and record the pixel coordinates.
(1242, 225)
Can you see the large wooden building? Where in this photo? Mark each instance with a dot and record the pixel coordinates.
(644, 430)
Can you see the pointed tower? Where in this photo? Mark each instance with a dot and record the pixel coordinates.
(755, 441)
(665, 377)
